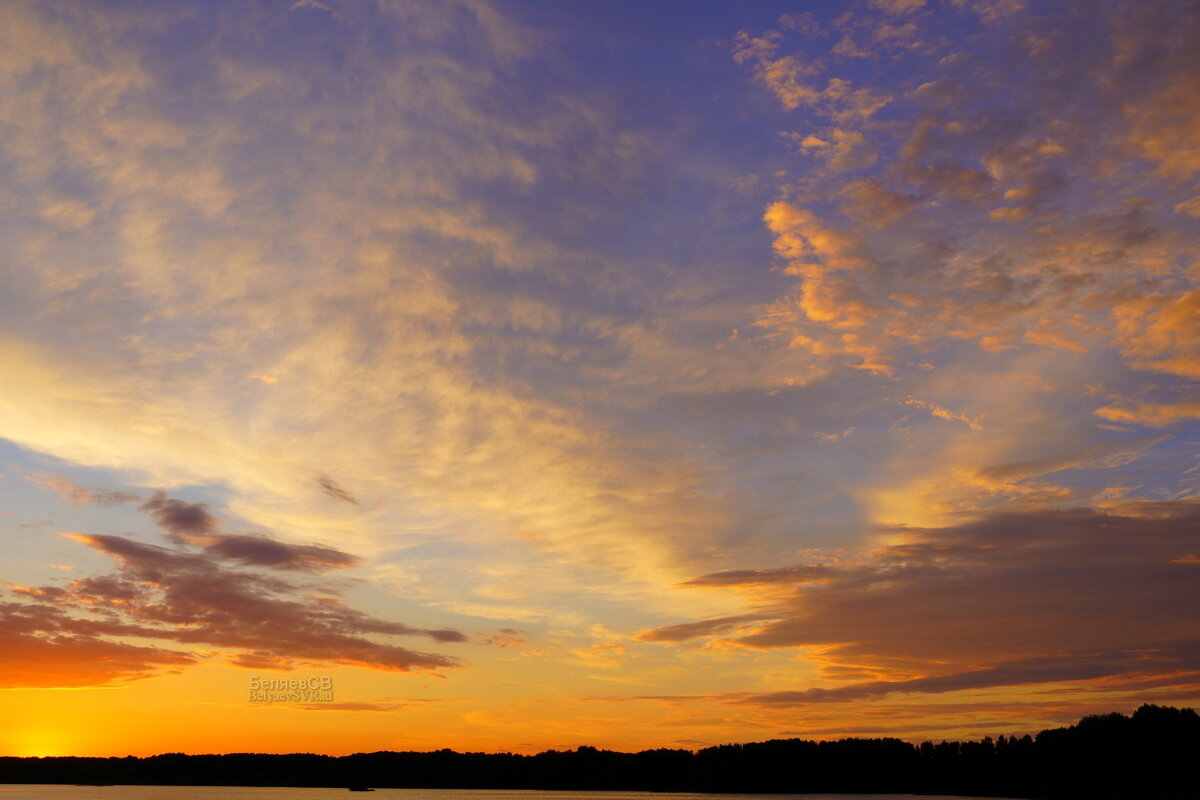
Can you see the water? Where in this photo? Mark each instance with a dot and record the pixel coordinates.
(62, 792)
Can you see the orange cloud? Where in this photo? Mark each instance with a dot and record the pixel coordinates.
(1156, 415)
(942, 412)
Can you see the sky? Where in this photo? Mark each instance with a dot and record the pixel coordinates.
(629, 374)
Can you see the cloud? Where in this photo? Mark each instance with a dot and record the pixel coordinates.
(787, 78)
(191, 523)
(1190, 206)
(783, 75)
(198, 591)
(432, 367)
(1153, 64)
(330, 487)
(35, 653)
(1102, 593)
(942, 412)
(842, 150)
(353, 705)
(964, 251)
(1105, 456)
(191, 599)
(1156, 415)
(756, 577)
(1130, 664)
(265, 552)
(1159, 332)
(77, 494)
(183, 521)
(505, 637)
(900, 7)
(963, 162)
(318, 6)
(691, 630)
(871, 201)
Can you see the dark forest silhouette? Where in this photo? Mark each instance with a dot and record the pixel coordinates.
(1149, 754)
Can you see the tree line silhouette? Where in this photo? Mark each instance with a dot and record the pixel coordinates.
(1150, 754)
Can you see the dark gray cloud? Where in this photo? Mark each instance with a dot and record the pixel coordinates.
(213, 603)
(191, 523)
(966, 606)
(331, 487)
(265, 552)
(180, 519)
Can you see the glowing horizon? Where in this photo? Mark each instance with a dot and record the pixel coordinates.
(628, 375)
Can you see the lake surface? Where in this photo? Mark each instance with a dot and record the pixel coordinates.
(57, 792)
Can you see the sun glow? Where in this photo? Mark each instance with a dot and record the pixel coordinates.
(40, 742)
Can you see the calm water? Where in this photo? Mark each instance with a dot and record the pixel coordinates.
(48, 792)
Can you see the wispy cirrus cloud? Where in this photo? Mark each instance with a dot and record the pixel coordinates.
(427, 375)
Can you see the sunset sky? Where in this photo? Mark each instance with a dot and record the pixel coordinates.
(631, 374)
